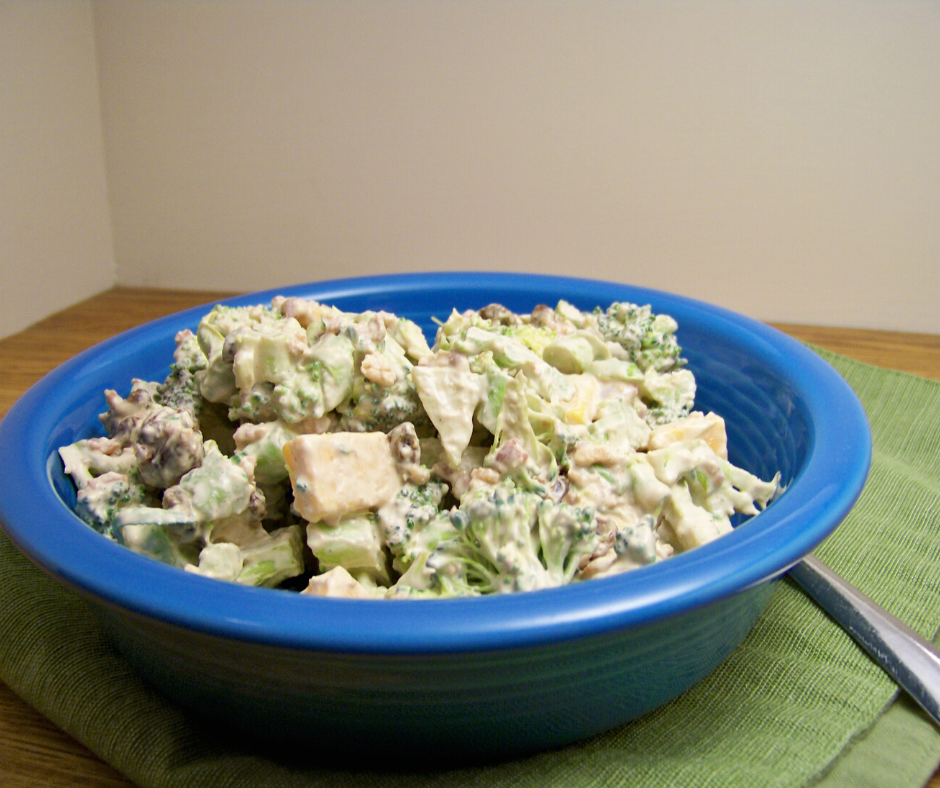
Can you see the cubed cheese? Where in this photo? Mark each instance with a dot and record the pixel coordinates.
(340, 473)
(709, 427)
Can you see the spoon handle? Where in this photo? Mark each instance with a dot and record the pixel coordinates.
(912, 661)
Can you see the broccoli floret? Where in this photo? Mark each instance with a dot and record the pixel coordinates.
(503, 539)
(408, 513)
(218, 489)
(180, 389)
(375, 408)
(218, 336)
(166, 441)
(382, 393)
(567, 535)
(86, 459)
(669, 396)
(649, 339)
(433, 575)
(102, 497)
(300, 397)
(487, 545)
(638, 542)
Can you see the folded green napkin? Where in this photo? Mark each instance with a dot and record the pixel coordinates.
(797, 704)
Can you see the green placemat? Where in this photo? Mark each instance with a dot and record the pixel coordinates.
(797, 704)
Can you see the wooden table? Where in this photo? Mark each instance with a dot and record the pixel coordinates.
(34, 753)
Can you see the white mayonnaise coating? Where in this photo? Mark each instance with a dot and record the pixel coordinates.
(339, 454)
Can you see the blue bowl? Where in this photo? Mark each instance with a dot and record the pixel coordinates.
(463, 678)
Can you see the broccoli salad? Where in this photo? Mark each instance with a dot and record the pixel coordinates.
(301, 447)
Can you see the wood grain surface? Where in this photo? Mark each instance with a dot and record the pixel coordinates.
(34, 753)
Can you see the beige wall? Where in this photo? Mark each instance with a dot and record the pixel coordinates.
(781, 159)
(55, 232)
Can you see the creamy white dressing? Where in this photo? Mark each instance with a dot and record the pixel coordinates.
(340, 454)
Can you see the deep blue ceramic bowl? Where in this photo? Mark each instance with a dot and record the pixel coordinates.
(464, 677)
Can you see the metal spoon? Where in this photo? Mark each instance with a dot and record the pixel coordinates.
(912, 661)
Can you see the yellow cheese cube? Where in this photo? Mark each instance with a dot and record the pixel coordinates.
(339, 473)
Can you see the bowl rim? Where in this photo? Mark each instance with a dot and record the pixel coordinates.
(51, 535)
